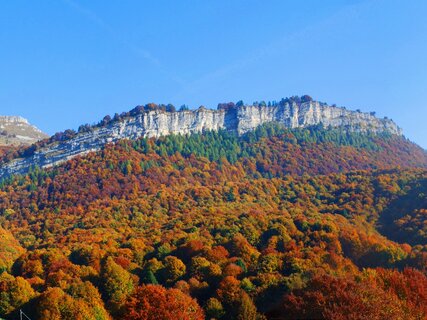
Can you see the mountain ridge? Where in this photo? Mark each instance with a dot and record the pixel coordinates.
(156, 121)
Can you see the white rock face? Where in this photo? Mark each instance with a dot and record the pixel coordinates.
(313, 113)
(13, 119)
(159, 123)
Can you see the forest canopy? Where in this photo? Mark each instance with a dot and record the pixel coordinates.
(271, 224)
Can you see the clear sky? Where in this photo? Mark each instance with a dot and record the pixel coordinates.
(68, 62)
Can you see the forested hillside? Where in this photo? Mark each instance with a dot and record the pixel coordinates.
(275, 224)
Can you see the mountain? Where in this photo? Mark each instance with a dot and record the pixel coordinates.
(16, 131)
(155, 121)
(274, 222)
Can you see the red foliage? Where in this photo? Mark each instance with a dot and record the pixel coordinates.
(386, 295)
(153, 302)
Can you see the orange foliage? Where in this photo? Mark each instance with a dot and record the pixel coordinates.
(157, 303)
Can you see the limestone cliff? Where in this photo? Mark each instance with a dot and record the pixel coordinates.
(240, 119)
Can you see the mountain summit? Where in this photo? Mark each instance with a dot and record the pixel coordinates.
(16, 130)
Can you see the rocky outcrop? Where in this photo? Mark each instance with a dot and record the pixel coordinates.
(312, 113)
(17, 131)
(239, 119)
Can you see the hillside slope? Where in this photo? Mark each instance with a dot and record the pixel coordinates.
(264, 223)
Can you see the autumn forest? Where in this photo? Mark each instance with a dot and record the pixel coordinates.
(275, 224)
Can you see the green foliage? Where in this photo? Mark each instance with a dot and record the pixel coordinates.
(14, 293)
(215, 145)
(174, 268)
(214, 309)
(246, 309)
(149, 277)
(118, 283)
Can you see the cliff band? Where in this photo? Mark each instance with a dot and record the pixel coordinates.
(239, 119)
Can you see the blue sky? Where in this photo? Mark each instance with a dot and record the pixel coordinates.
(68, 62)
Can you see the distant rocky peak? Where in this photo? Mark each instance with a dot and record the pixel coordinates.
(13, 119)
(16, 130)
